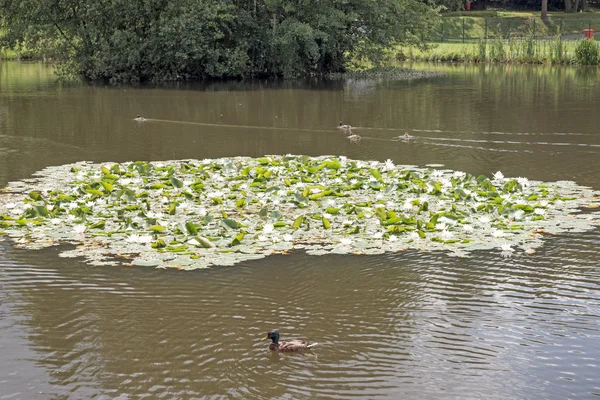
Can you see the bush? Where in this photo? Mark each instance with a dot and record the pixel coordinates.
(586, 52)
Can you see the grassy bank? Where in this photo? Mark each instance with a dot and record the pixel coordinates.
(527, 50)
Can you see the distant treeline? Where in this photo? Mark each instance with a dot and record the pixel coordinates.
(141, 40)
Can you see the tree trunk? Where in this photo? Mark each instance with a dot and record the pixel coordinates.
(545, 10)
(584, 5)
(576, 6)
(568, 6)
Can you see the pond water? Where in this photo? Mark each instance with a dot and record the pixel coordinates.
(402, 325)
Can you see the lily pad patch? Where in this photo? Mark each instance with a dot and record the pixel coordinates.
(189, 214)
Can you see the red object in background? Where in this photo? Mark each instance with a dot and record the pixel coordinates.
(589, 33)
(468, 6)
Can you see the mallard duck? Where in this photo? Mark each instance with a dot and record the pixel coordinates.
(406, 136)
(344, 127)
(139, 118)
(286, 346)
(354, 138)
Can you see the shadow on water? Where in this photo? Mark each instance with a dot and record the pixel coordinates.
(411, 325)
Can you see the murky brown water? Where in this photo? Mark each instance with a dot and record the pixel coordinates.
(412, 325)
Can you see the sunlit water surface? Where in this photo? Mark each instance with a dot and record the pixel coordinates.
(403, 325)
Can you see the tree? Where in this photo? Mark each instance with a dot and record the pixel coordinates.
(136, 40)
(544, 10)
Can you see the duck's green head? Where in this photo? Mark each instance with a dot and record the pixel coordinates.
(273, 335)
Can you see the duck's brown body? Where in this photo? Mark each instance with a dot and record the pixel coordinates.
(289, 346)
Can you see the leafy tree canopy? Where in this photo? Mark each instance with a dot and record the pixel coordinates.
(137, 40)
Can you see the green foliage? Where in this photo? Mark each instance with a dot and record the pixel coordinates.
(586, 52)
(557, 51)
(128, 40)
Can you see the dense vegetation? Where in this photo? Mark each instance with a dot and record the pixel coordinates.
(127, 40)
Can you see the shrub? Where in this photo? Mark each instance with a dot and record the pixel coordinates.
(586, 52)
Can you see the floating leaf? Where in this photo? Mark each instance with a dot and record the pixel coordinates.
(298, 221)
(238, 239)
(326, 223)
(191, 228)
(230, 223)
(176, 182)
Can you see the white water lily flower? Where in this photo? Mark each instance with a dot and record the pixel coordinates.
(446, 235)
(80, 228)
(353, 181)
(378, 205)
(467, 228)
(523, 181)
(268, 228)
(506, 247)
(499, 176)
(326, 215)
(144, 239)
(347, 222)
(393, 238)
(407, 205)
(133, 238)
(544, 203)
(518, 214)
(124, 181)
(201, 212)
(288, 238)
(378, 235)
(440, 226)
(10, 206)
(330, 203)
(55, 221)
(71, 217)
(459, 174)
(446, 183)
(315, 190)
(275, 239)
(436, 173)
(346, 241)
(484, 219)
(374, 164)
(540, 211)
(498, 233)
(414, 235)
(263, 238)
(389, 164)
(379, 196)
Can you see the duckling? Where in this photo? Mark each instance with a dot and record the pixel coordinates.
(139, 118)
(286, 346)
(343, 127)
(354, 138)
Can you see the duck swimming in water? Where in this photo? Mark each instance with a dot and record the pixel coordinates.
(139, 118)
(286, 346)
(406, 136)
(354, 138)
(343, 127)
